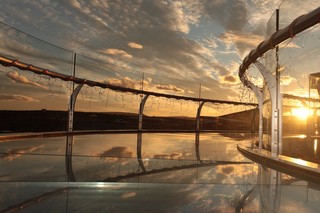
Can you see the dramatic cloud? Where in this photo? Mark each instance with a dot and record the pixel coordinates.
(185, 39)
(16, 77)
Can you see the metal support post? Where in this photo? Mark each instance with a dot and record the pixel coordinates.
(269, 182)
(197, 143)
(139, 153)
(141, 108)
(276, 106)
(198, 115)
(69, 142)
(257, 91)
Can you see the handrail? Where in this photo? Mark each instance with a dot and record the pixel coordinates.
(6, 61)
(298, 25)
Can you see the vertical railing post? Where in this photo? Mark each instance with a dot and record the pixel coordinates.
(270, 189)
(69, 142)
(276, 107)
(197, 144)
(257, 91)
(198, 115)
(197, 141)
(139, 153)
(139, 135)
(141, 108)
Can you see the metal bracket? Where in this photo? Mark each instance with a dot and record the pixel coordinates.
(69, 142)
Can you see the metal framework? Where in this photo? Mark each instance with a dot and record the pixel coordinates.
(298, 25)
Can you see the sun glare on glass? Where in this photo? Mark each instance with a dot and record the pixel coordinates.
(301, 113)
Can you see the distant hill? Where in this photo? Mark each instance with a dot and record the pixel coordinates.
(50, 120)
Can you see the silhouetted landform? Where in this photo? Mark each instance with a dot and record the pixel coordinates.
(49, 120)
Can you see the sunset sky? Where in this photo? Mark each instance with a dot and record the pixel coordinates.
(177, 44)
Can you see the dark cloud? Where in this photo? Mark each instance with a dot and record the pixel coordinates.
(227, 170)
(230, 78)
(118, 151)
(174, 155)
(230, 14)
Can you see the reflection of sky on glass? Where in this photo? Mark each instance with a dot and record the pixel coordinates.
(123, 197)
(100, 154)
(209, 188)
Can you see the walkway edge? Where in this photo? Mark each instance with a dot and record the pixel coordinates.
(304, 172)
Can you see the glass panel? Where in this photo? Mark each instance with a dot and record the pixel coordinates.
(31, 102)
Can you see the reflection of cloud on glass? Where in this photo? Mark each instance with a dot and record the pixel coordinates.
(16, 153)
(227, 169)
(16, 77)
(128, 195)
(118, 151)
(10, 97)
(174, 155)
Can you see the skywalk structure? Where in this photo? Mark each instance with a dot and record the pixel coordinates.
(288, 63)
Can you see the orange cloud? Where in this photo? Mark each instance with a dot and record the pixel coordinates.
(170, 87)
(135, 45)
(16, 77)
(117, 52)
(5, 97)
